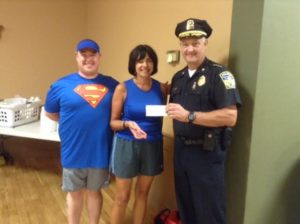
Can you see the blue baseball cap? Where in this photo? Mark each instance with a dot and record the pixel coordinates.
(88, 44)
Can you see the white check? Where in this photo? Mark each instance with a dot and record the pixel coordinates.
(155, 110)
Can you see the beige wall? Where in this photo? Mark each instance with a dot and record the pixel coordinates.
(39, 36)
(119, 25)
(37, 43)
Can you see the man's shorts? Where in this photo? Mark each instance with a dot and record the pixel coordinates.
(131, 158)
(76, 179)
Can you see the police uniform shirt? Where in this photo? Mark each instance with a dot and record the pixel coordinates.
(212, 87)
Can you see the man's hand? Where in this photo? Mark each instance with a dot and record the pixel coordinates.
(177, 112)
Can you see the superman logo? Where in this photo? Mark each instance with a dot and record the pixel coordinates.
(92, 93)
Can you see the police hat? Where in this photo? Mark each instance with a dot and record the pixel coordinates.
(193, 28)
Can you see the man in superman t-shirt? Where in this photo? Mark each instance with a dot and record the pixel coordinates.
(81, 103)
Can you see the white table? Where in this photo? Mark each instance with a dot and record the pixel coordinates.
(30, 130)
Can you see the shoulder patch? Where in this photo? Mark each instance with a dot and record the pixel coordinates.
(228, 80)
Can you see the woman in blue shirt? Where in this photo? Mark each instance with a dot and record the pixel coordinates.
(138, 148)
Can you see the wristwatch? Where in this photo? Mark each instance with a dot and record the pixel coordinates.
(191, 117)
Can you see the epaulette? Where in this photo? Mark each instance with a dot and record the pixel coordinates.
(218, 65)
(180, 73)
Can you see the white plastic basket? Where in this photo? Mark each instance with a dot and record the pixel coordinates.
(18, 114)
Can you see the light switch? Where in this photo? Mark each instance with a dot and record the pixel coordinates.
(173, 57)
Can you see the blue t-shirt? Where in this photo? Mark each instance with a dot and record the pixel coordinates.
(84, 107)
(135, 110)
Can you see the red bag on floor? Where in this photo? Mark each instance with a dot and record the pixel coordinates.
(167, 216)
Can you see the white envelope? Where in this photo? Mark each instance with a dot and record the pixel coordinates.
(156, 110)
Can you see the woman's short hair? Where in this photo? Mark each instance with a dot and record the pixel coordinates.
(138, 53)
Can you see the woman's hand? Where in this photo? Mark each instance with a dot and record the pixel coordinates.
(135, 129)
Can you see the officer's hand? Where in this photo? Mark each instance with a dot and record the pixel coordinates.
(135, 129)
(177, 112)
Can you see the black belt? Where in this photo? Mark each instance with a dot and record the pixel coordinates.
(191, 141)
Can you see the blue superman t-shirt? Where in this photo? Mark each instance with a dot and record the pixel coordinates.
(84, 107)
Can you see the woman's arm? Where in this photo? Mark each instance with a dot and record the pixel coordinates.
(116, 112)
(117, 108)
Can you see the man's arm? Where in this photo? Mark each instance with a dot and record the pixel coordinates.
(52, 116)
(226, 116)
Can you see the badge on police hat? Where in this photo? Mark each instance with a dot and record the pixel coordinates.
(201, 80)
(190, 25)
(228, 80)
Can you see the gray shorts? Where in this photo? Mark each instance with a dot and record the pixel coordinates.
(132, 158)
(76, 179)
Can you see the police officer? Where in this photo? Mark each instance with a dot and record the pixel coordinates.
(203, 104)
